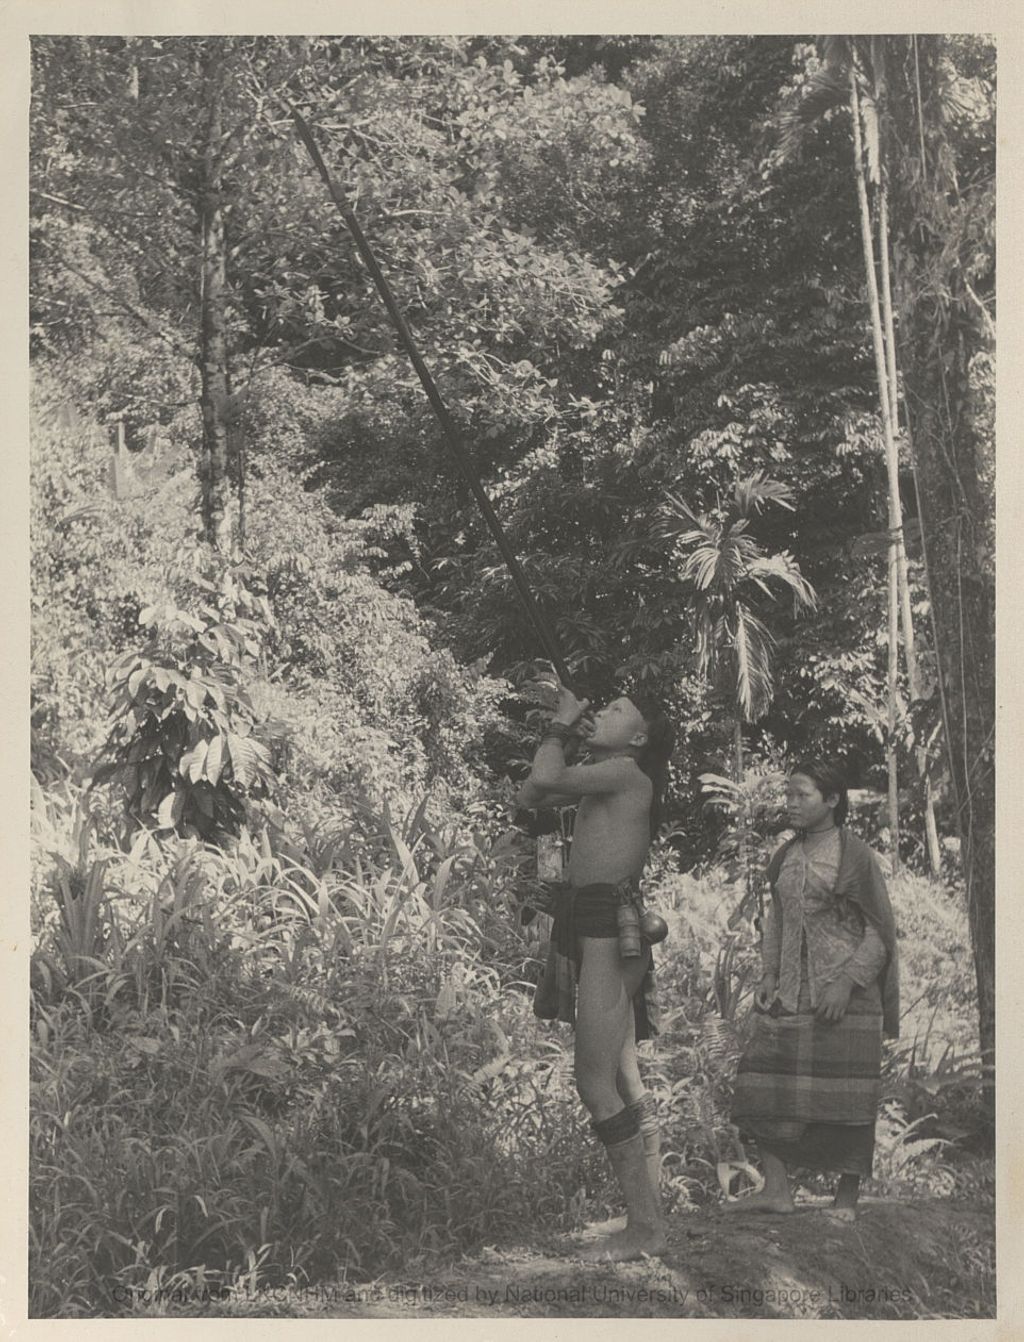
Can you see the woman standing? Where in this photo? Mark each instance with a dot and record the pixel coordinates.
(807, 1087)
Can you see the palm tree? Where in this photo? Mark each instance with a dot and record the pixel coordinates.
(731, 575)
(853, 74)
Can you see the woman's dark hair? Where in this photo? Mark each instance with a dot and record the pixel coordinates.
(655, 755)
(830, 780)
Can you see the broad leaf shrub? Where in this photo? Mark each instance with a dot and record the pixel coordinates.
(314, 1071)
(348, 669)
(183, 747)
(312, 1056)
(95, 561)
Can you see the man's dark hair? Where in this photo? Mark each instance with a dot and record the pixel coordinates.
(655, 755)
(828, 777)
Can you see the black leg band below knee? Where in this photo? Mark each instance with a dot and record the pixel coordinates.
(646, 1111)
(617, 1129)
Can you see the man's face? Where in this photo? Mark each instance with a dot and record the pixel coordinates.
(617, 725)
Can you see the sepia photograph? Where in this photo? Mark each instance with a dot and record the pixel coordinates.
(512, 560)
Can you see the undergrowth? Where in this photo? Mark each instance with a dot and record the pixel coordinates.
(301, 1058)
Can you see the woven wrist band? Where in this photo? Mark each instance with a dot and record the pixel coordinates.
(559, 731)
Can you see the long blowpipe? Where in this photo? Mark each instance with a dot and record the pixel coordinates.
(451, 433)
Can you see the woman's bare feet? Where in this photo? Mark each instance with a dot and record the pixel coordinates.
(624, 1245)
(765, 1201)
(611, 1227)
(844, 1206)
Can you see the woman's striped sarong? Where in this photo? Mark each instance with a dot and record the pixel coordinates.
(808, 1089)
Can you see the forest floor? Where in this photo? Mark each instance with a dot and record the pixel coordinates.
(932, 1258)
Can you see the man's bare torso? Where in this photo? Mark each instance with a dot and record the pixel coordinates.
(611, 834)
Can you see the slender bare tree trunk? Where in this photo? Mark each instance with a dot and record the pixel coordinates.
(213, 462)
(943, 328)
(893, 670)
(891, 462)
(744, 830)
(240, 457)
(133, 70)
(906, 613)
(737, 748)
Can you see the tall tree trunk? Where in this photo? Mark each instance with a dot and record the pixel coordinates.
(943, 327)
(903, 573)
(213, 463)
(891, 678)
(895, 547)
(133, 69)
(745, 817)
(241, 448)
(737, 748)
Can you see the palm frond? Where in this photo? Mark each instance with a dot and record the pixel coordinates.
(836, 52)
(746, 547)
(680, 508)
(701, 566)
(752, 643)
(751, 493)
(736, 554)
(783, 568)
(685, 527)
(695, 536)
(823, 92)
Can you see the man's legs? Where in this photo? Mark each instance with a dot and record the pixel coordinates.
(631, 1087)
(604, 1022)
(629, 1084)
(628, 1081)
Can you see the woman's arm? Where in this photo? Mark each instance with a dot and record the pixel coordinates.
(868, 960)
(771, 943)
(770, 957)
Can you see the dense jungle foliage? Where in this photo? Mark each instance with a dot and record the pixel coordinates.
(281, 994)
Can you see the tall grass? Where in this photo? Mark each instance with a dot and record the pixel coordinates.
(248, 1063)
(312, 1056)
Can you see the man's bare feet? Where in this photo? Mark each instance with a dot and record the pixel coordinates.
(625, 1245)
(779, 1203)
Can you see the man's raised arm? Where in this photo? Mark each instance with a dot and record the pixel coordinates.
(553, 781)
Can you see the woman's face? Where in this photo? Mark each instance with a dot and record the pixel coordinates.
(806, 808)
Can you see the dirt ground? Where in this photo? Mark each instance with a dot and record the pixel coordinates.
(922, 1259)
